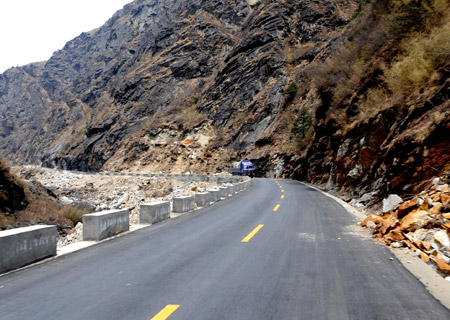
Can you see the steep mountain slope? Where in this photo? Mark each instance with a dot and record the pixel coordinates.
(344, 93)
(127, 92)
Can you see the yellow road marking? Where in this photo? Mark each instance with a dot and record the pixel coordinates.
(282, 197)
(282, 190)
(281, 186)
(276, 207)
(251, 234)
(166, 312)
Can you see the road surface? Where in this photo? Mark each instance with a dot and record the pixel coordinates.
(279, 250)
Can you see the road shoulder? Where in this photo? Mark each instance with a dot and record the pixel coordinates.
(438, 287)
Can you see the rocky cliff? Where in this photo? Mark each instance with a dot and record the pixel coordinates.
(315, 89)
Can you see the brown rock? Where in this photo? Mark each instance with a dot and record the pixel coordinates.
(446, 226)
(406, 207)
(395, 235)
(374, 218)
(445, 198)
(410, 245)
(426, 245)
(424, 206)
(436, 197)
(445, 189)
(424, 257)
(442, 266)
(414, 220)
(446, 215)
(388, 223)
(436, 209)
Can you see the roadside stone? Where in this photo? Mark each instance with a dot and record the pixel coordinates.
(414, 220)
(407, 206)
(442, 187)
(435, 181)
(445, 198)
(395, 235)
(396, 245)
(388, 223)
(425, 258)
(436, 208)
(374, 218)
(426, 245)
(442, 239)
(371, 224)
(391, 203)
(442, 266)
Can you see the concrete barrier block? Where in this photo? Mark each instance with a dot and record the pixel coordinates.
(202, 199)
(223, 192)
(22, 246)
(183, 204)
(213, 179)
(154, 212)
(215, 194)
(230, 190)
(101, 225)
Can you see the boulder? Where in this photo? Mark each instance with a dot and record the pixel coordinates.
(374, 218)
(442, 188)
(445, 198)
(391, 203)
(442, 266)
(442, 239)
(414, 220)
(425, 258)
(388, 223)
(407, 206)
(394, 235)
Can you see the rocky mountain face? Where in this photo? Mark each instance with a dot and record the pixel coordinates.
(312, 89)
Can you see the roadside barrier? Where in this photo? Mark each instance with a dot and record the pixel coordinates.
(154, 212)
(23, 246)
(100, 225)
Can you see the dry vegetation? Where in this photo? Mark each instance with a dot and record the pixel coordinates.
(23, 204)
(387, 59)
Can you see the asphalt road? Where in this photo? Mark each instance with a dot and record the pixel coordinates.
(307, 261)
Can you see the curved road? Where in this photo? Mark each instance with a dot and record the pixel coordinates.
(306, 260)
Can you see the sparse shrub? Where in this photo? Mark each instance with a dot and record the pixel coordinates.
(74, 214)
(291, 89)
(256, 4)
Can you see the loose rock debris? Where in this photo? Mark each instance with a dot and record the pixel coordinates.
(421, 224)
(102, 192)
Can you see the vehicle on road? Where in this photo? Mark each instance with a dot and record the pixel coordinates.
(242, 168)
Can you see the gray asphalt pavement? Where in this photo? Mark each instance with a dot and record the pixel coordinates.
(307, 261)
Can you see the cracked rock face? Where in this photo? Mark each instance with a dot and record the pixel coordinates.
(156, 74)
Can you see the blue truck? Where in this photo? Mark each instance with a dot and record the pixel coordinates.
(243, 168)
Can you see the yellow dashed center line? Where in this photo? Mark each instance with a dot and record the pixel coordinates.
(282, 197)
(276, 207)
(166, 312)
(282, 190)
(251, 234)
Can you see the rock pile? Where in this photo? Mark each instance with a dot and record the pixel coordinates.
(94, 193)
(421, 224)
